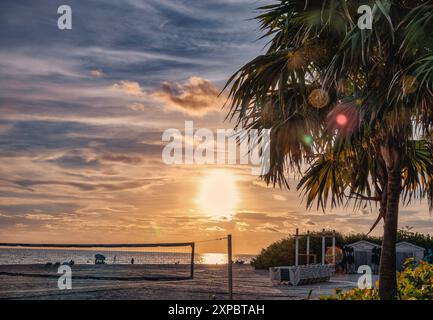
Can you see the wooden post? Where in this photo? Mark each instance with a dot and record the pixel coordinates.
(192, 259)
(323, 246)
(230, 266)
(333, 247)
(308, 247)
(297, 247)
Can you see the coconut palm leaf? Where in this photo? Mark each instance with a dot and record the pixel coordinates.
(366, 133)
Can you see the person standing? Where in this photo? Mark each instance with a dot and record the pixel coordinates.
(344, 260)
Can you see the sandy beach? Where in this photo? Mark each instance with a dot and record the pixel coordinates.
(210, 282)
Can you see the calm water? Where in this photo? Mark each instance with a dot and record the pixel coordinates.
(84, 256)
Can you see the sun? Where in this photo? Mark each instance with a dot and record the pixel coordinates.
(218, 194)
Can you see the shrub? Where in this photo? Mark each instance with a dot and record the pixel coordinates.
(280, 253)
(415, 282)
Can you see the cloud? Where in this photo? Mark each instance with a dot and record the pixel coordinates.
(196, 96)
(75, 161)
(268, 227)
(84, 186)
(4, 215)
(279, 197)
(257, 216)
(39, 216)
(18, 64)
(136, 106)
(215, 228)
(132, 88)
(309, 223)
(242, 226)
(5, 128)
(97, 73)
(65, 138)
(121, 159)
(49, 208)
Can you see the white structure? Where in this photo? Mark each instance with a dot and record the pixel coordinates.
(309, 273)
(363, 251)
(406, 250)
(308, 236)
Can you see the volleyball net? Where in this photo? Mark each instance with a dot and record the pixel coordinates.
(155, 261)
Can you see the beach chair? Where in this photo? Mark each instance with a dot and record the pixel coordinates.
(301, 275)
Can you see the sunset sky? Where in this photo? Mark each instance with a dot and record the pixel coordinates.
(82, 114)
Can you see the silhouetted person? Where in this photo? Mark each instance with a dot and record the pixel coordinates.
(344, 260)
(132, 261)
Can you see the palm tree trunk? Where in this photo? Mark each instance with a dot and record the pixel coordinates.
(387, 273)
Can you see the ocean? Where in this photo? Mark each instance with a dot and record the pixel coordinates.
(11, 256)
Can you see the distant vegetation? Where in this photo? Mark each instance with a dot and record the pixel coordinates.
(282, 252)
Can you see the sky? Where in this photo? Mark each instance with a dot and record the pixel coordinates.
(82, 113)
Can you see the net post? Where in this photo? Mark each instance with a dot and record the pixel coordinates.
(297, 247)
(192, 259)
(308, 247)
(230, 266)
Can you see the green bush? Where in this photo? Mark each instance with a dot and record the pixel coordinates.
(414, 283)
(280, 253)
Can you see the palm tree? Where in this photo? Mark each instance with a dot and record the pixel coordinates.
(355, 175)
(329, 90)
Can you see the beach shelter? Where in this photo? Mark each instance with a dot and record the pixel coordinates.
(99, 259)
(363, 251)
(406, 250)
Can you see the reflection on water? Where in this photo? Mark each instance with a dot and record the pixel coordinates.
(220, 258)
(212, 258)
(87, 256)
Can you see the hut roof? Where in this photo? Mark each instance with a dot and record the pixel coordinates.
(408, 244)
(363, 244)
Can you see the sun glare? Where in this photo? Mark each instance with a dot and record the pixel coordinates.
(218, 195)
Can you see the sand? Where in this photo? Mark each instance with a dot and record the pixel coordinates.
(210, 282)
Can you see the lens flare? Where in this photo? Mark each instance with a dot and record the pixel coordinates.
(341, 120)
(308, 140)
